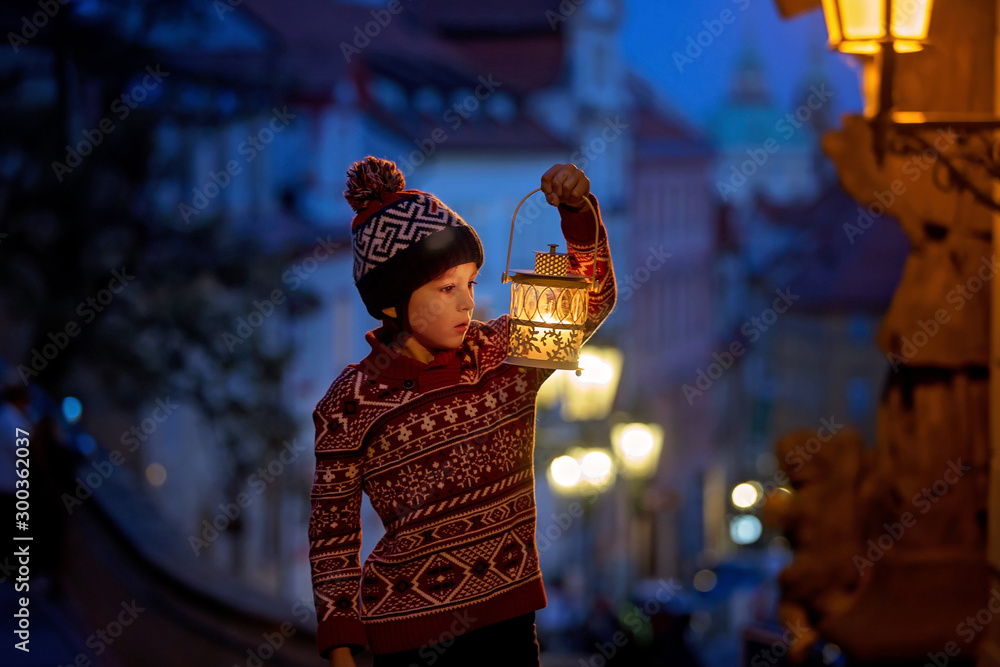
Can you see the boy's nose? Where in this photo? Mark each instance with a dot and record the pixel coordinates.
(468, 303)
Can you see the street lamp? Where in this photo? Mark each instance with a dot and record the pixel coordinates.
(590, 393)
(866, 26)
(747, 494)
(564, 473)
(745, 529)
(637, 447)
(878, 30)
(582, 471)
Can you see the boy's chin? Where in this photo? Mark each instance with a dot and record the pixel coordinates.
(454, 342)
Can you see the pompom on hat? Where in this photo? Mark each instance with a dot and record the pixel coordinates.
(401, 238)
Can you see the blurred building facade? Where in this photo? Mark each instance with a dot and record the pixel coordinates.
(666, 284)
(799, 298)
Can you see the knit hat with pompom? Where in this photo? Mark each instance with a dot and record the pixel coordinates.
(401, 239)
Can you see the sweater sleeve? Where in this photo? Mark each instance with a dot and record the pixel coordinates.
(578, 228)
(335, 528)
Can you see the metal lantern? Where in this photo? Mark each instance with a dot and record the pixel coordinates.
(867, 26)
(548, 306)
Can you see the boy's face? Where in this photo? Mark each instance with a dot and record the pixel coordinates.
(437, 308)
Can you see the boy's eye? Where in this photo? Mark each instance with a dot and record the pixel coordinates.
(448, 288)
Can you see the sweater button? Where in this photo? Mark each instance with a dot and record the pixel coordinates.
(408, 384)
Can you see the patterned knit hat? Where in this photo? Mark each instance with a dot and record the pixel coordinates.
(401, 239)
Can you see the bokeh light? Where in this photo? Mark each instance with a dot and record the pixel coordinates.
(705, 580)
(156, 474)
(72, 409)
(745, 495)
(565, 471)
(596, 467)
(745, 529)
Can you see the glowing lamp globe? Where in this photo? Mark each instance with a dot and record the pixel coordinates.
(864, 26)
(637, 447)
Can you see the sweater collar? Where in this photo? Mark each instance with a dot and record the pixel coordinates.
(387, 362)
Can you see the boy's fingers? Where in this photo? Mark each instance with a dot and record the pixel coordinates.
(564, 181)
(580, 190)
(547, 177)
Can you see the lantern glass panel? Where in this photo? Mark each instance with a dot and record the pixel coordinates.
(534, 306)
(833, 22)
(561, 305)
(548, 306)
(911, 19)
(862, 19)
(524, 302)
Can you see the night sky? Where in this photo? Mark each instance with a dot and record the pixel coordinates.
(655, 29)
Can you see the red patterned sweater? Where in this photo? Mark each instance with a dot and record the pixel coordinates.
(444, 451)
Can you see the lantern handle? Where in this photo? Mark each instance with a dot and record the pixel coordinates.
(510, 244)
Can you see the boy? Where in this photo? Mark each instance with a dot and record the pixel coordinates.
(439, 433)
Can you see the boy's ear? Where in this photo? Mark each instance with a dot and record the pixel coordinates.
(390, 311)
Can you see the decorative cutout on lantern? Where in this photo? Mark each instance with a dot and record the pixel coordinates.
(548, 306)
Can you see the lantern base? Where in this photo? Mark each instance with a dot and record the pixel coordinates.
(542, 363)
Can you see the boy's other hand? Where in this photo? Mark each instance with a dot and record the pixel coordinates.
(565, 184)
(341, 657)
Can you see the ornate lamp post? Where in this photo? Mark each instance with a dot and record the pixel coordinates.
(843, 497)
(637, 449)
(879, 30)
(585, 472)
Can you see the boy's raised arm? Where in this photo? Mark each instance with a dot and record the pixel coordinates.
(578, 229)
(335, 529)
(567, 187)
